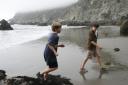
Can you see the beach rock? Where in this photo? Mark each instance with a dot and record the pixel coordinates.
(116, 49)
(42, 24)
(2, 74)
(25, 80)
(122, 19)
(4, 25)
(77, 23)
(124, 28)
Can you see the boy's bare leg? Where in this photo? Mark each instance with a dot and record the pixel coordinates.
(48, 70)
(98, 56)
(99, 60)
(84, 62)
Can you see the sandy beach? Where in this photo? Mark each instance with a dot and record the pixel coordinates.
(27, 59)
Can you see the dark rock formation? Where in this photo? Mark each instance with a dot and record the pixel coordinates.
(2, 74)
(116, 49)
(25, 80)
(124, 28)
(42, 24)
(122, 19)
(77, 23)
(4, 25)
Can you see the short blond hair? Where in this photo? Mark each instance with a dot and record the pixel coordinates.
(56, 25)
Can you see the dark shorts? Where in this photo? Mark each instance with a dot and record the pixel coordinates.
(50, 58)
(93, 53)
(51, 62)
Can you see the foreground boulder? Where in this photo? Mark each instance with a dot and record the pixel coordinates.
(2, 74)
(124, 28)
(25, 80)
(4, 25)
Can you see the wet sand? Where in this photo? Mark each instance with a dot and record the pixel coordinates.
(27, 59)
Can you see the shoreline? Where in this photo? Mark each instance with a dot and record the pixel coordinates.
(27, 59)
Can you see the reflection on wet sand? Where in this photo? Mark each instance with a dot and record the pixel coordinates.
(83, 76)
(79, 37)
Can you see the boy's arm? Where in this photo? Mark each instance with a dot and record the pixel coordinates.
(94, 43)
(52, 48)
(60, 45)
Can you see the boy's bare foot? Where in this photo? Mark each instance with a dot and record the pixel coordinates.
(83, 71)
(38, 75)
(45, 75)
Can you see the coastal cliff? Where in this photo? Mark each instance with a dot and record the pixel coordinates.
(82, 11)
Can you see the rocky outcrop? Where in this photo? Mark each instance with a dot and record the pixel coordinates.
(4, 25)
(2, 74)
(124, 28)
(109, 11)
(25, 80)
(122, 19)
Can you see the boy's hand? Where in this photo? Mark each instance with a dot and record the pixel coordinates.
(99, 47)
(61, 45)
(56, 54)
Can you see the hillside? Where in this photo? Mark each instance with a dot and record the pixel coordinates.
(83, 10)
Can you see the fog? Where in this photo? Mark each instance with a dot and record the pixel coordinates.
(8, 8)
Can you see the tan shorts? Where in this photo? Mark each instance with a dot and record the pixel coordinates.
(93, 53)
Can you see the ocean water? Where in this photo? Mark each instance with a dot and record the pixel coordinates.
(22, 34)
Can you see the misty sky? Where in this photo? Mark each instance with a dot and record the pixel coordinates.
(9, 7)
